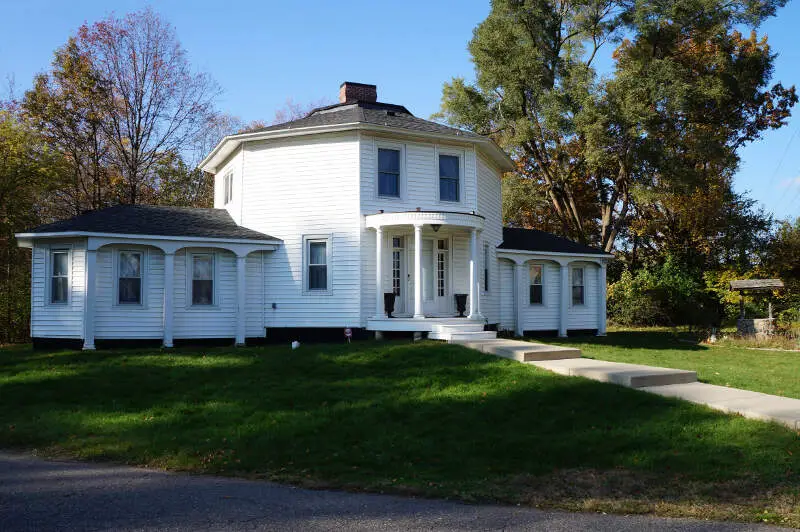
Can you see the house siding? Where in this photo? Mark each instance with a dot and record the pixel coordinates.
(58, 321)
(297, 188)
(490, 207)
(585, 316)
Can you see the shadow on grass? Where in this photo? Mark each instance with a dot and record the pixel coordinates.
(433, 418)
(644, 339)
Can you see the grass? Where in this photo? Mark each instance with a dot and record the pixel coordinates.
(726, 364)
(426, 419)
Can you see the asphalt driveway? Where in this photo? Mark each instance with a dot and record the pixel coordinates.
(52, 495)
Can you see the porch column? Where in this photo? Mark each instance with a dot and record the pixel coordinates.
(418, 271)
(519, 299)
(601, 303)
(240, 299)
(88, 302)
(169, 311)
(565, 295)
(473, 277)
(379, 272)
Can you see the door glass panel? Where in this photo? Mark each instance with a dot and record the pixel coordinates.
(397, 246)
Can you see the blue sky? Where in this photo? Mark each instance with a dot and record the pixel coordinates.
(263, 52)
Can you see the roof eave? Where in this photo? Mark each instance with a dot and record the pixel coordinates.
(556, 253)
(27, 238)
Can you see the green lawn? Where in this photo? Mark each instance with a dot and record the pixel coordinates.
(773, 372)
(425, 418)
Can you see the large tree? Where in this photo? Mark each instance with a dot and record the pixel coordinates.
(687, 91)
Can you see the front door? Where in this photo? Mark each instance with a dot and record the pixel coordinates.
(436, 277)
(399, 277)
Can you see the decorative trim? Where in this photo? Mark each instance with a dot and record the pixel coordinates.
(458, 219)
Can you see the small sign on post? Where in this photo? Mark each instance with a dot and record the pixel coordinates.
(348, 334)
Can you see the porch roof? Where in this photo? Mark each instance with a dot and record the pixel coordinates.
(457, 219)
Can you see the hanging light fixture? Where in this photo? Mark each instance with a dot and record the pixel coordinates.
(436, 227)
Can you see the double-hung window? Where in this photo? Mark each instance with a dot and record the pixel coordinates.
(449, 177)
(536, 284)
(59, 276)
(317, 253)
(202, 279)
(129, 282)
(388, 172)
(227, 183)
(577, 286)
(486, 267)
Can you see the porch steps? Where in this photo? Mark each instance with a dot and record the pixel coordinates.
(520, 351)
(465, 331)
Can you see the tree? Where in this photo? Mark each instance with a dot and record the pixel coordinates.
(180, 185)
(687, 91)
(156, 105)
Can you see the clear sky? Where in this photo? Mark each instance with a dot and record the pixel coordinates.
(263, 52)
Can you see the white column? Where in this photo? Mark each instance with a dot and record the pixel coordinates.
(169, 311)
(601, 300)
(241, 302)
(519, 297)
(565, 296)
(88, 302)
(418, 271)
(379, 312)
(473, 274)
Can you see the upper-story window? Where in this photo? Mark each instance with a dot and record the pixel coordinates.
(449, 177)
(59, 276)
(389, 172)
(227, 183)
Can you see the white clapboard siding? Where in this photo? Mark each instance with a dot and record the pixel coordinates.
(232, 164)
(585, 316)
(57, 321)
(507, 300)
(490, 207)
(544, 317)
(215, 321)
(115, 321)
(303, 187)
(254, 294)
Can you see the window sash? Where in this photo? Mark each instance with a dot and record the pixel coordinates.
(202, 280)
(317, 265)
(449, 177)
(388, 172)
(486, 267)
(228, 185)
(536, 295)
(578, 291)
(59, 276)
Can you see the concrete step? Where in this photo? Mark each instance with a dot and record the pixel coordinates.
(630, 375)
(521, 351)
(458, 327)
(471, 335)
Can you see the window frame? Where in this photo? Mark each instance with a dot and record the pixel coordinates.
(306, 252)
(530, 283)
(227, 187)
(572, 285)
(440, 150)
(143, 261)
(215, 303)
(401, 177)
(50, 251)
(486, 261)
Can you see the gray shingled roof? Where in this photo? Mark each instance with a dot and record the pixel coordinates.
(374, 113)
(535, 240)
(156, 221)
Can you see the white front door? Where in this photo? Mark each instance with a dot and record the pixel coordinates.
(398, 274)
(436, 295)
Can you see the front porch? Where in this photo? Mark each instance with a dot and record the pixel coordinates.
(437, 328)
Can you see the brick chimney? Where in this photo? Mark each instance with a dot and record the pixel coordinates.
(357, 92)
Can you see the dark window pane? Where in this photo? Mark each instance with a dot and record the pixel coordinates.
(318, 277)
(448, 166)
(58, 290)
(389, 160)
(448, 189)
(202, 292)
(388, 184)
(577, 295)
(536, 294)
(130, 290)
(60, 263)
(317, 253)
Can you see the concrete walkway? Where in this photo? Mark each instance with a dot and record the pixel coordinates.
(39, 495)
(668, 382)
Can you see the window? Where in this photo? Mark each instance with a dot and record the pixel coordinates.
(441, 268)
(59, 276)
(202, 279)
(536, 284)
(227, 183)
(129, 282)
(485, 267)
(397, 255)
(388, 172)
(317, 265)
(577, 286)
(449, 174)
